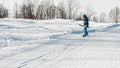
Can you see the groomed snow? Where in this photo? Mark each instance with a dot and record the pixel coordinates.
(58, 43)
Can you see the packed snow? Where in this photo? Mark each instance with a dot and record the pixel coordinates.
(58, 43)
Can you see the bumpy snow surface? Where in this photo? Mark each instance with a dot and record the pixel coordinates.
(58, 44)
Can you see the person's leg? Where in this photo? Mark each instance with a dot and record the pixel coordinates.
(85, 33)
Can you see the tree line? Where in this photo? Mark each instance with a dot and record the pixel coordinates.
(68, 9)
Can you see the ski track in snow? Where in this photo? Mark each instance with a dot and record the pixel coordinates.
(57, 44)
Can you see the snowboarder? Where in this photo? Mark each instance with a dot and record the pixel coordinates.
(86, 25)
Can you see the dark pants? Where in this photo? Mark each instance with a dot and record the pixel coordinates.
(85, 32)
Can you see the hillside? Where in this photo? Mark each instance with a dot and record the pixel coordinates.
(58, 43)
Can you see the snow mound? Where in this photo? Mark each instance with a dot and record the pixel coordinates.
(57, 43)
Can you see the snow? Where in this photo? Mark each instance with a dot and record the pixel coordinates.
(57, 43)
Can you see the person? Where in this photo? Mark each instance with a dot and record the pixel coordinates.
(86, 25)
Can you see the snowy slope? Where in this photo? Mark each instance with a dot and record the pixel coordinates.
(58, 44)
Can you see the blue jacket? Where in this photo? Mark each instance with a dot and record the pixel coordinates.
(85, 21)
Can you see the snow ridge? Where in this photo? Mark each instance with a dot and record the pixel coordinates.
(58, 43)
